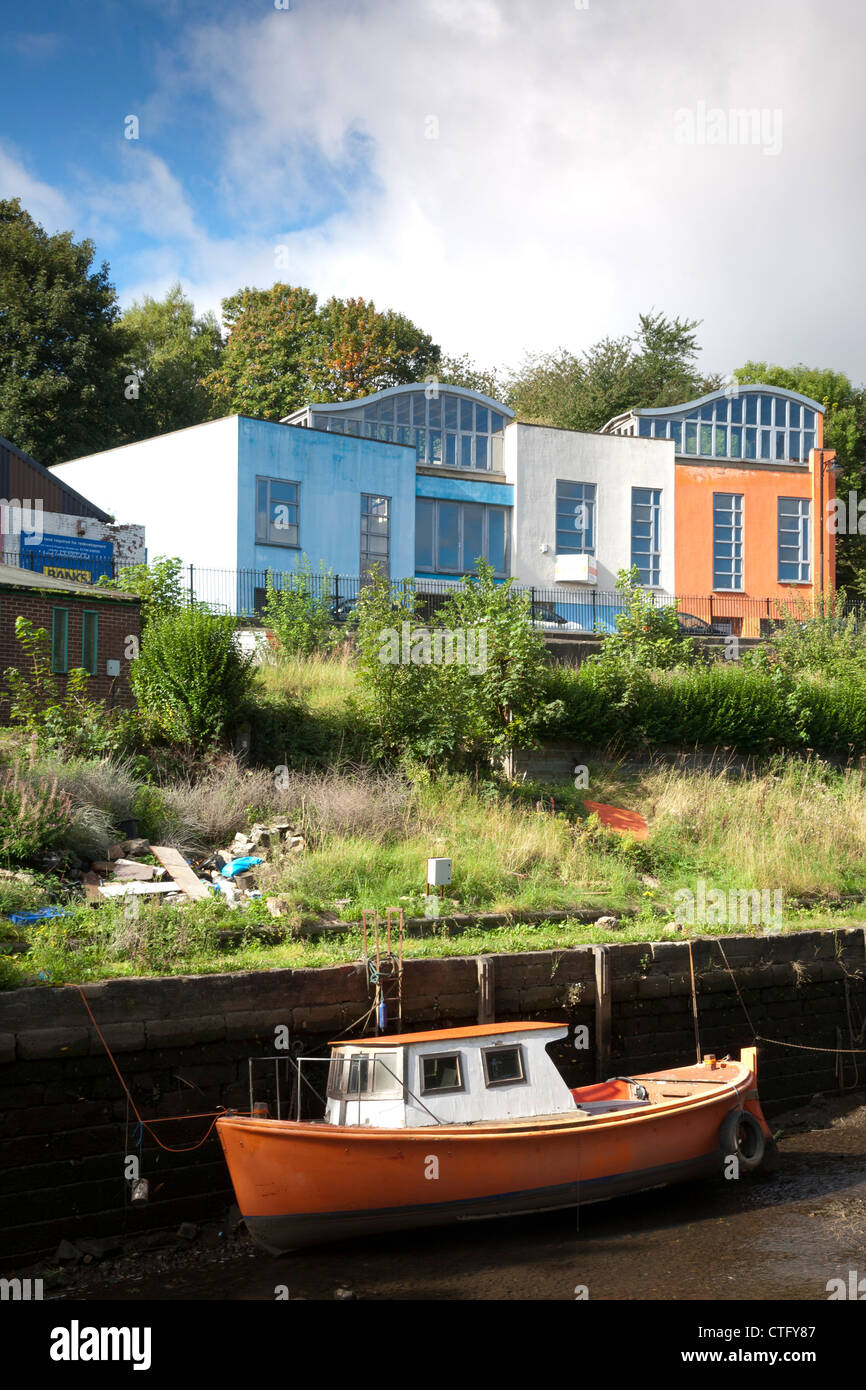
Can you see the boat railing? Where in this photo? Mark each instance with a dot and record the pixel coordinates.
(302, 1080)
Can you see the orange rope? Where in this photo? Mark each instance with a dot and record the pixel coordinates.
(147, 1124)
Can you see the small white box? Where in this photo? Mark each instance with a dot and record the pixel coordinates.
(112, 668)
(575, 569)
(438, 872)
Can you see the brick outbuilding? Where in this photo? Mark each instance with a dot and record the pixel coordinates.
(97, 629)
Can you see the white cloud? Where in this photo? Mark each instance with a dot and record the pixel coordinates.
(44, 203)
(555, 202)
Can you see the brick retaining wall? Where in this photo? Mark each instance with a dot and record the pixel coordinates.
(183, 1043)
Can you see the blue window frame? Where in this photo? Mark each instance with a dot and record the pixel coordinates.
(728, 540)
(795, 541)
(575, 518)
(646, 504)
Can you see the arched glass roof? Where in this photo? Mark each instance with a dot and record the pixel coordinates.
(754, 422)
(448, 426)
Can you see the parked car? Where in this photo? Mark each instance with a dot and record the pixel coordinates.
(693, 626)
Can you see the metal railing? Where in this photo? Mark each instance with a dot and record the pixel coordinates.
(242, 593)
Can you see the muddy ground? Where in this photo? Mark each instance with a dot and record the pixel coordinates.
(781, 1235)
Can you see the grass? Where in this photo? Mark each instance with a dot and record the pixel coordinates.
(795, 826)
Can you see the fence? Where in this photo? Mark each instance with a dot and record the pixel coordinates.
(242, 593)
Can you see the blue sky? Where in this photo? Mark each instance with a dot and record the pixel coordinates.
(513, 174)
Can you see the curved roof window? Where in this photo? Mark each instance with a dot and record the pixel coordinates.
(761, 423)
(448, 426)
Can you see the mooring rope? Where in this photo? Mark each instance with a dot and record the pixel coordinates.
(146, 1124)
(777, 1042)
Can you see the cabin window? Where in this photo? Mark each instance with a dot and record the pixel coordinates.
(365, 1075)
(502, 1064)
(441, 1072)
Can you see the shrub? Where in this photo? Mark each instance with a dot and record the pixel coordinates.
(33, 816)
(159, 586)
(56, 716)
(831, 641)
(192, 679)
(441, 708)
(299, 612)
(646, 635)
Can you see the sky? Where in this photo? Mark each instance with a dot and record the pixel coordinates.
(514, 175)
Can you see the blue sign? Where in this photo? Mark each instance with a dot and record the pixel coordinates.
(67, 557)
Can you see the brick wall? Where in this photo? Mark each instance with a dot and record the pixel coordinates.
(117, 620)
(182, 1045)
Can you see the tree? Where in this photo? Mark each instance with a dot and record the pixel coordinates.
(655, 366)
(462, 371)
(844, 431)
(283, 350)
(170, 350)
(61, 350)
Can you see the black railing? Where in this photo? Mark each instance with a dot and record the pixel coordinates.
(242, 593)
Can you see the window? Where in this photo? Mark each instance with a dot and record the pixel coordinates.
(441, 1072)
(444, 429)
(90, 642)
(277, 512)
(727, 540)
(375, 534)
(646, 532)
(754, 425)
(795, 546)
(451, 536)
(575, 518)
(365, 1075)
(502, 1065)
(60, 640)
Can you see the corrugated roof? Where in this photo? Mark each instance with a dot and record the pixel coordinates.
(13, 577)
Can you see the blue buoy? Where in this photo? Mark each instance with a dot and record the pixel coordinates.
(383, 1015)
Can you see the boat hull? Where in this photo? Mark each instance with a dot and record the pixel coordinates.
(299, 1184)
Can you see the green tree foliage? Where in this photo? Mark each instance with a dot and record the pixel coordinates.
(62, 351)
(54, 711)
(170, 350)
(844, 431)
(299, 611)
(284, 350)
(160, 586)
(422, 702)
(654, 367)
(192, 680)
(646, 635)
(462, 371)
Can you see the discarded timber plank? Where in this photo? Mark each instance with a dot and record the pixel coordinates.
(175, 864)
(119, 890)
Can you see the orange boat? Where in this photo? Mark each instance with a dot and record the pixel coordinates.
(467, 1123)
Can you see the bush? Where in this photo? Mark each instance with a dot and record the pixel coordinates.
(159, 586)
(299, 612)
(56, 716)
(33, 816)
(832, 642)
(436, 703)
(749, 707)
(646, 635)
(192, 679)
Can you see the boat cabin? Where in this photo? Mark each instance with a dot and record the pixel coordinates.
(492, 1072)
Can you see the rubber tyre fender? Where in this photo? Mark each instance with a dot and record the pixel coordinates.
(749, 1150)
